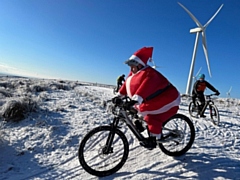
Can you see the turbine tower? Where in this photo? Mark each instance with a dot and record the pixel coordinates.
(199, 29)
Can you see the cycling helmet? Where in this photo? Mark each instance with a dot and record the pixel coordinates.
(123, 75)
(201, 76)
(132, 62)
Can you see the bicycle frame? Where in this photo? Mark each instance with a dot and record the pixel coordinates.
(131, 126)
(122, 116)
(207, 103)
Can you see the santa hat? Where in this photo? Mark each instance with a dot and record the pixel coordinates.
(141, 56)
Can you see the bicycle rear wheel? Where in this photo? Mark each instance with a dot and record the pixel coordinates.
(214, 114)
(193, 110)
(92, 155)
(178, 135)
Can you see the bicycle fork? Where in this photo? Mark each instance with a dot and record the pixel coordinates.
(108, 147)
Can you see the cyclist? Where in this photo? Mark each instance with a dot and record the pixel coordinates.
(120, 81)
(155, 98)
(198, 91)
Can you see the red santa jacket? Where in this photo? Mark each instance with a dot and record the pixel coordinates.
(144, 83)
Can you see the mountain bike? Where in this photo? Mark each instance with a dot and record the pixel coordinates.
(195, 111)
(115, 89)
(104, 149)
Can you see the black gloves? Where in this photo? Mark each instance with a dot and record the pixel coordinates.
(127, 104)
(117, 100)
(217, 93)
(130, 104)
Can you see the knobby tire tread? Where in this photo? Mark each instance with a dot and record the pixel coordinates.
(216, 111)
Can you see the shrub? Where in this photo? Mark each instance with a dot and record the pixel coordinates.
(5, 93)
(18, 109)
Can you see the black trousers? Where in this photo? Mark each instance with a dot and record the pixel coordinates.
(201, 98)
(118, 86)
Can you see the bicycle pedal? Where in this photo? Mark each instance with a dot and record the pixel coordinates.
(165, 139)
(168, 138)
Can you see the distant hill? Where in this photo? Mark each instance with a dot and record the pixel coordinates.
(12, 75)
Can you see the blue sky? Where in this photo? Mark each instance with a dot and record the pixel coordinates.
(88, 40)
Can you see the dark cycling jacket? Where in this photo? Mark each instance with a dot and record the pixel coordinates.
(120, 79)
(200, 86)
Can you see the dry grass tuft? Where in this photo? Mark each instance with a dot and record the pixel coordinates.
(18, 109)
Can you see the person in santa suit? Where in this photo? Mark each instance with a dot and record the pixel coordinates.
(155, 98)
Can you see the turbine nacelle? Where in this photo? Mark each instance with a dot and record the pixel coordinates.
(196, 30)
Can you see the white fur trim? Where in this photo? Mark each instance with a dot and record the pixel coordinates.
(134, 57)
(165, 108)
(137, 98)
(128, 81)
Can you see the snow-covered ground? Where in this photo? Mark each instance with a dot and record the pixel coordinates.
(44, 144)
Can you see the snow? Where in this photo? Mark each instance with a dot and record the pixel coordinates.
(44, 145)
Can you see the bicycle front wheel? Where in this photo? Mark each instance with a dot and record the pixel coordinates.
(92, 155)
(178, 133)
(214, 114)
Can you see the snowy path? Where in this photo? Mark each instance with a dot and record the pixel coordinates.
(45, 145)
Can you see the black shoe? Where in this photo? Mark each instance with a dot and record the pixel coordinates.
(149, 143)
(202, 116)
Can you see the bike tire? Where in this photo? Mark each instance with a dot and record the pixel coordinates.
(214, 114)
(192, 109)
(114, 91)
(179, 145)
(90, 153)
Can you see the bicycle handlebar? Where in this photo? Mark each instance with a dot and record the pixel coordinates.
(209, 95)
(122, 103)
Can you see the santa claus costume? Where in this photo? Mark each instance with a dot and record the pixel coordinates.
(157, 98)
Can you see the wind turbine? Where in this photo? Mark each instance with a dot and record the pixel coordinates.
(194, 77)
(228, 93)
(154, 65)
(199, 29)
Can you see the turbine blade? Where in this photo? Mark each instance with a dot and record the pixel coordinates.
(154, 65)
(198, 71)
(191, 15)
(213, 16)
(153, 62)
(204, 44)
